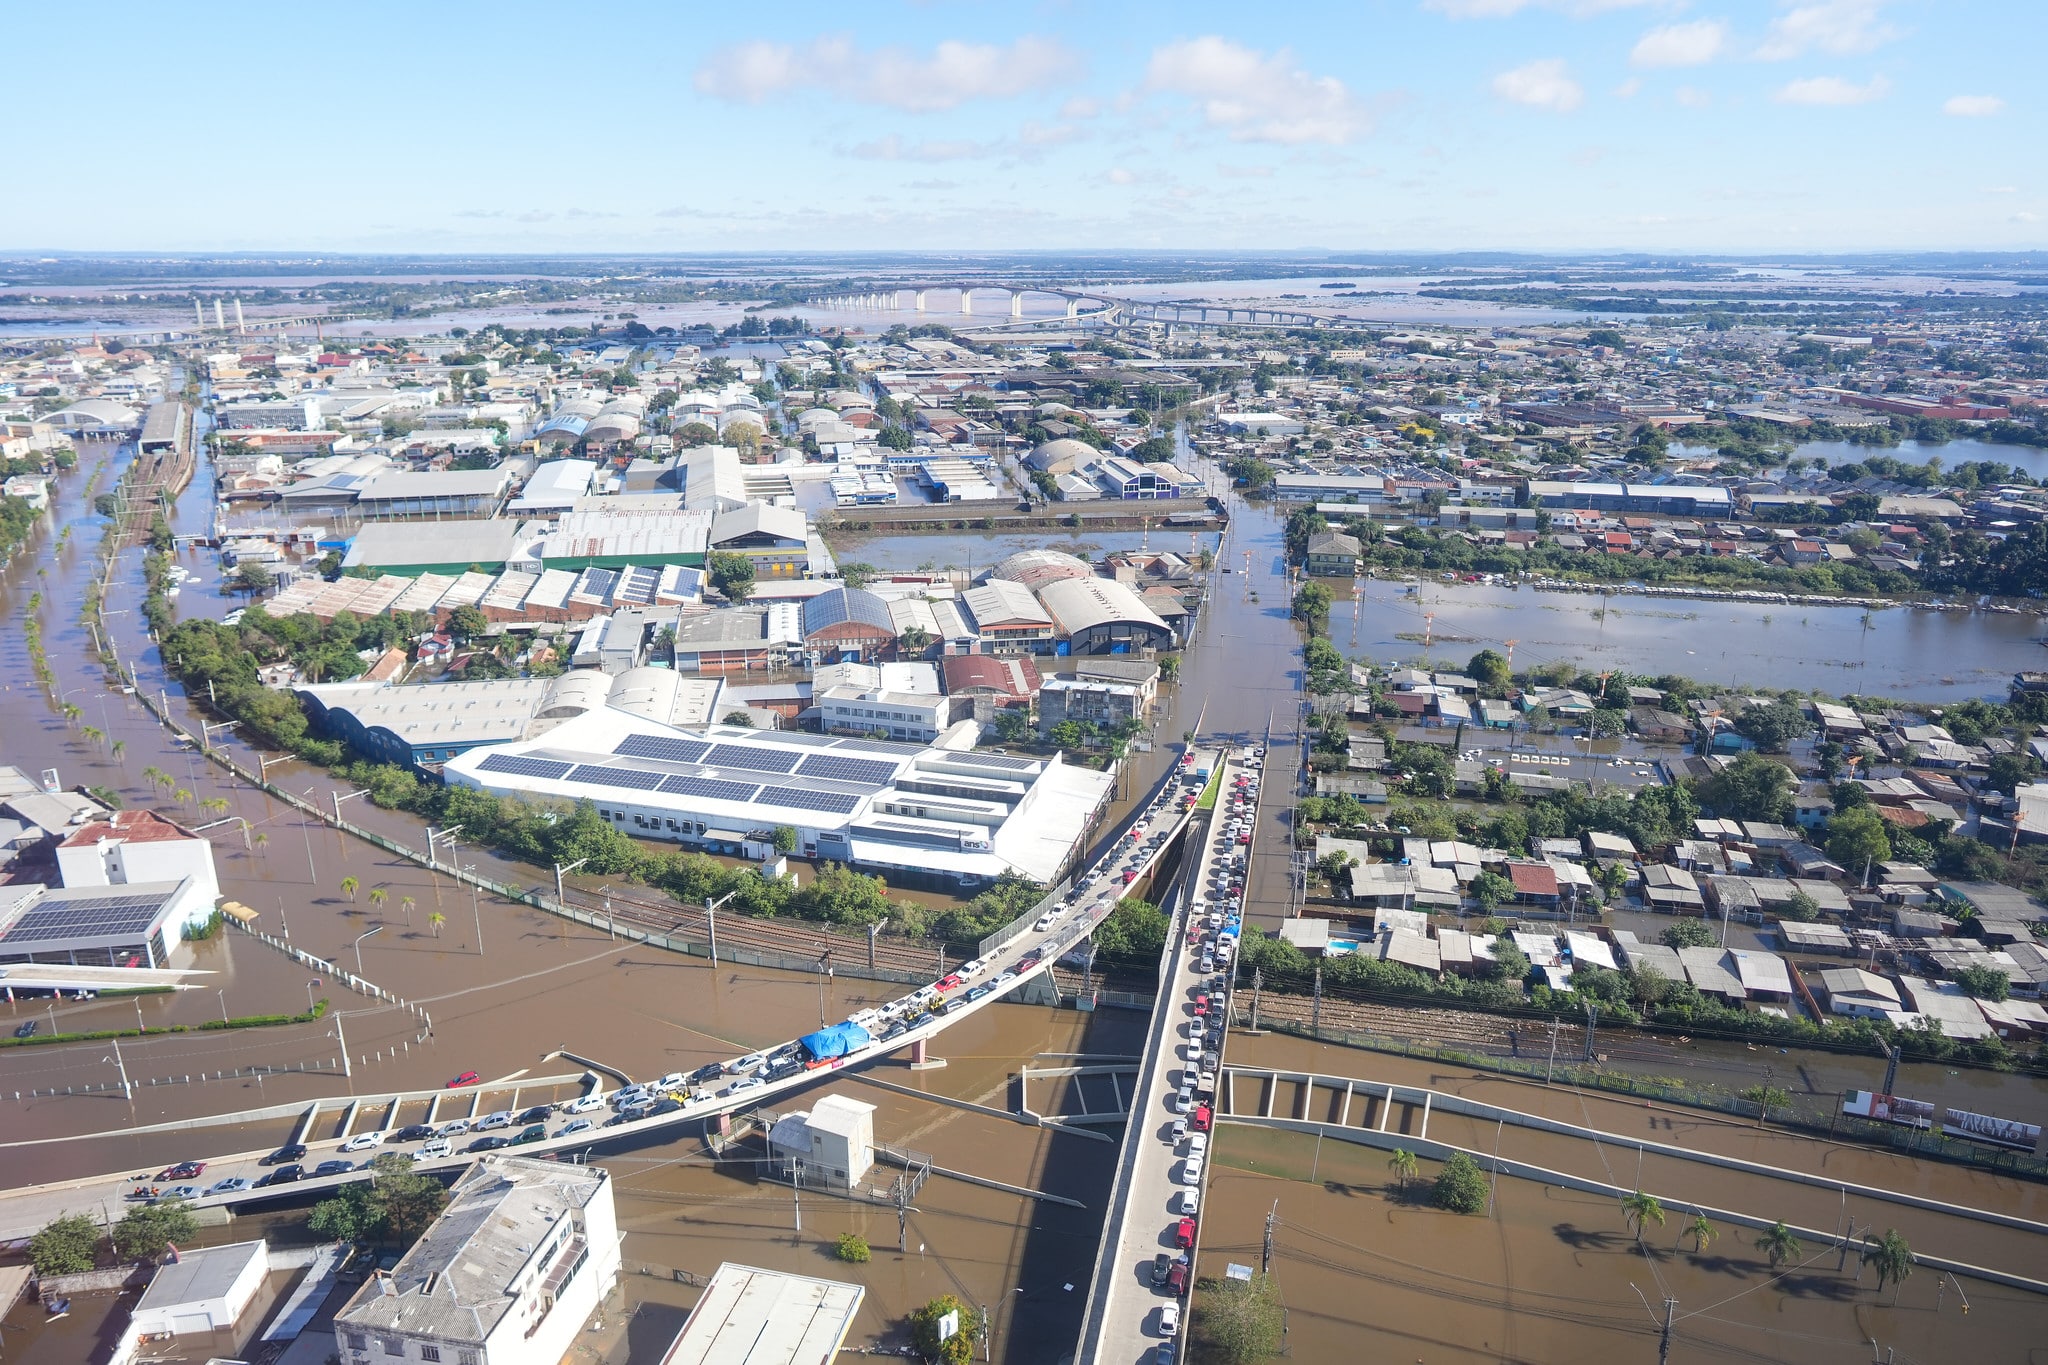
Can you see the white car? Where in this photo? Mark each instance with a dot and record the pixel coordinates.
(978, 965)
(1180, 1130)
(363, 1142)
(1198, 1144)
(1189, 1203)
(753, 1061)
(434, 1150)
(589, 1104)
(501, 1119)
(1169, 1320)
(1045, 921)
(1191, 1171)
(455, 1128)
(675, 1080)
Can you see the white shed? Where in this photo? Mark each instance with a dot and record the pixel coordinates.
(201, 1291)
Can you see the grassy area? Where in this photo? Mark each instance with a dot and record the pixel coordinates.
(1207, 800)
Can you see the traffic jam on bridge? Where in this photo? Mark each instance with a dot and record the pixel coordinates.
(719, 1087)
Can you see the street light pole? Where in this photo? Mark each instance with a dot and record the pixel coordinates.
(475, 907)
(341, 1036)
(373, 929)
(339, 798)
(711, 921)
(126, 1089)
(561, 871)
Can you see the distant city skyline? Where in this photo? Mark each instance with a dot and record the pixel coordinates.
(1381, 125)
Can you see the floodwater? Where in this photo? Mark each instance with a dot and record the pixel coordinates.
(1367, 1270)
(1888, 652)
(2032, 459)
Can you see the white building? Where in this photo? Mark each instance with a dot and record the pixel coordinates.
(911, 717)
(201, 1291)
(508, 1274)
(750, 1316)
(835, 1142)
(129, 847)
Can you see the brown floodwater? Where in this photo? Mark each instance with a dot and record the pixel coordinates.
(1368, 1272)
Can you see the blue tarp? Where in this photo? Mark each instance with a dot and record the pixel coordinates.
(835, 1041)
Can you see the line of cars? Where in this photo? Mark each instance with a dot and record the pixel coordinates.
(1214, 922)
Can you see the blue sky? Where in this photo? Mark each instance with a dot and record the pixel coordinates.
(1661, 125)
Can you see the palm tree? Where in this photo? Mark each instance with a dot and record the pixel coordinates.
(1766, 1098)
(1403, 1164)
(181, 795)
(405, 903)
(1892, 1257)
(93, 734)
(1701, 1230)
(155, 777)
(378, 895)
(120, 747)
(72, 711)
(262, 841)
(437, 919)
(348, 888)
(1639, 1210)
(1778, 1245)
(214, 805)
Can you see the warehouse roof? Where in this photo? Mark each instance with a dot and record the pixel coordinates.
(1080, 604)
(388, 544)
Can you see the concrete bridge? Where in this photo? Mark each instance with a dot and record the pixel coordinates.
(1017, 956)
(1080, 306)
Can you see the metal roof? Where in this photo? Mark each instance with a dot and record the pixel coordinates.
(842, 605)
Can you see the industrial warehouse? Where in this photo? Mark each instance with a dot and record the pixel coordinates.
(919, 814)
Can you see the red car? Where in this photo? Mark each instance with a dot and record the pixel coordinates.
(950, 982)
(466, 1078)
(1177, 1279)
(1204, 1116)
(184, 1170)
(1130, 875)
(1184, 1235)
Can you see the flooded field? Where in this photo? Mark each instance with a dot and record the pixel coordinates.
(1368, 1271)
(1892, 652)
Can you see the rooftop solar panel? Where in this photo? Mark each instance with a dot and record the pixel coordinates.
(525, 766)
(760, 760)
(631, 779)
(92, 917)
(870, 770)
(663, 747)
(994, 761)
(801, 799)
(709, 788)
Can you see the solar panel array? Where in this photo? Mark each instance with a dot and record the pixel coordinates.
(994, 761)
(89, 917)
(760, 760)
(800, 798)
(709, 788)
(524, 766)
(630, 779)
(663, 747)
(869, 770)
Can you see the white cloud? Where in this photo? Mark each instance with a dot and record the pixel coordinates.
(1081, 106)
(1832, 90)
(2001, 189)
(952, 74)
(1502, 9)
(1629, 88)
(894, 148)
(2025, 217)
(1841, 28)
(1973, 106)
(1541, 85)
(1692, 97)
(1119, 175)
(1258, 96)
(1245, 172)
(1693, 44)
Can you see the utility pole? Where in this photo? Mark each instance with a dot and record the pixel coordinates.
(1258, 985)
(873, 930)
(562, 870)
(1315, 1018)
(1266, 1252)
(1551, 1069)
(1664, 1342)
(796, 1187)
(1592, 1027)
